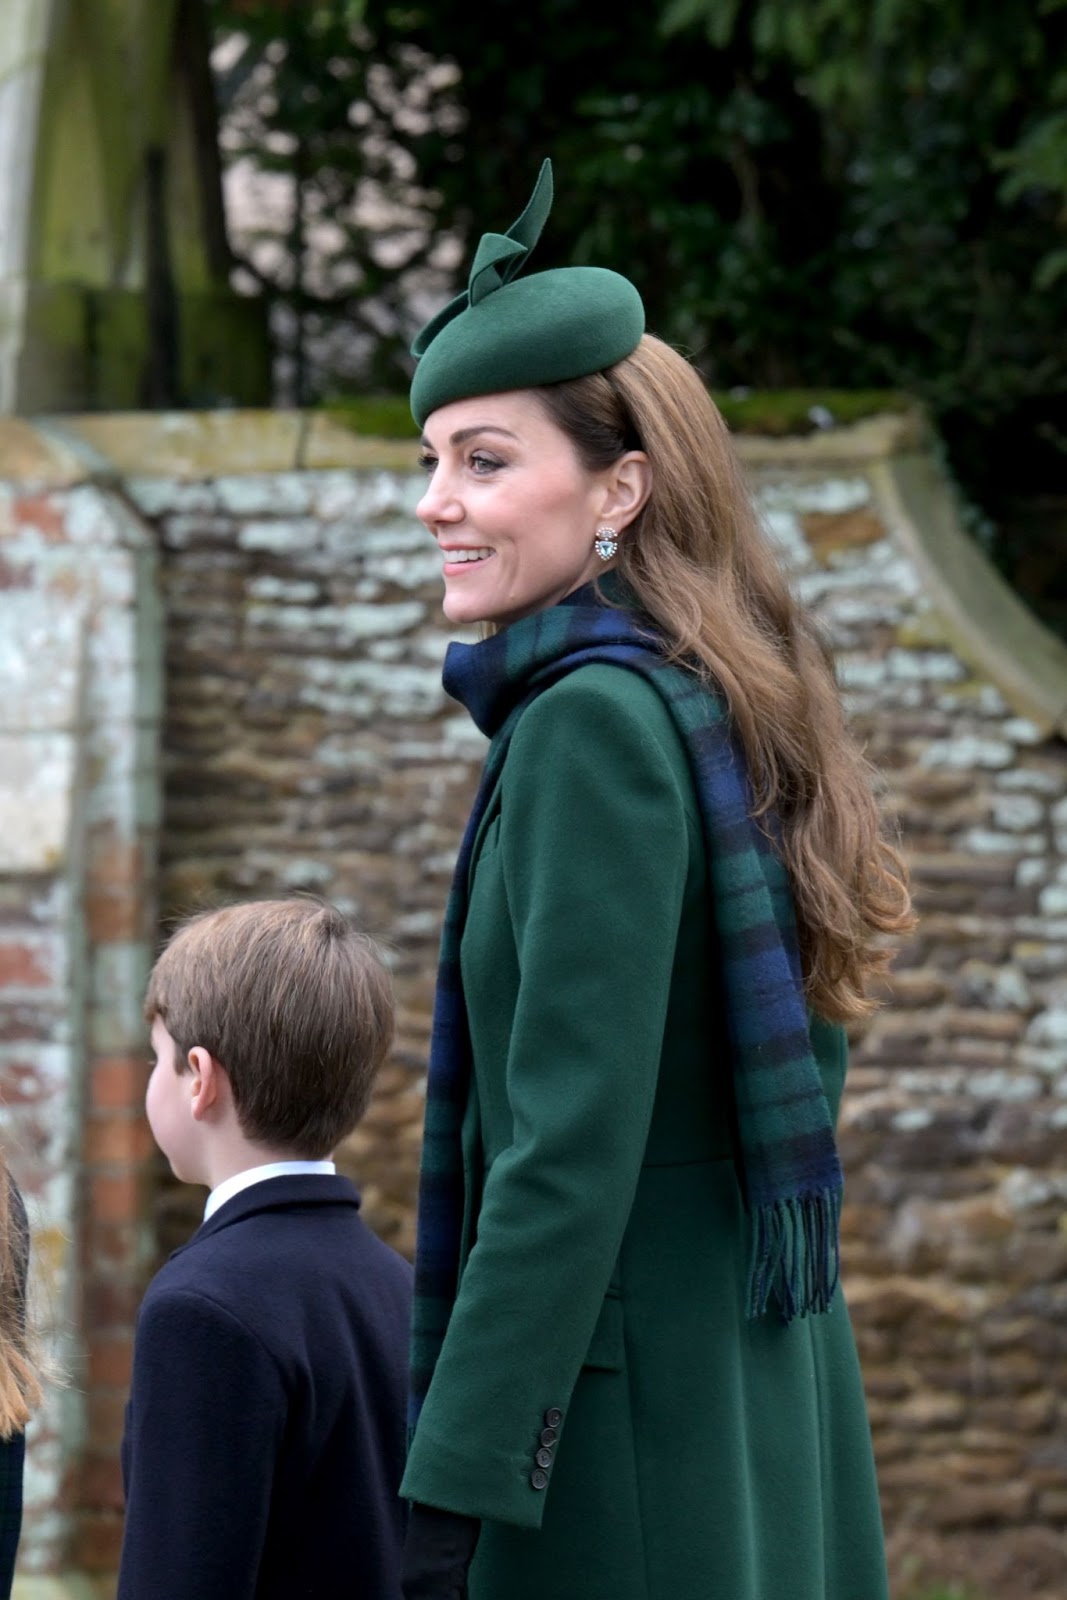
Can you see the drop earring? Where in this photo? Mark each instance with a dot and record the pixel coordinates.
(606, 543)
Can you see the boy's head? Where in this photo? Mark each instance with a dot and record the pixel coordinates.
(295, 1007)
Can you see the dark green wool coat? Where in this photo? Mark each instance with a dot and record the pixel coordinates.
(699, 1456)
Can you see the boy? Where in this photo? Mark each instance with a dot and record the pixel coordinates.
(265, 1428)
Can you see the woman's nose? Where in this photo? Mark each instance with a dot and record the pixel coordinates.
(439, 504)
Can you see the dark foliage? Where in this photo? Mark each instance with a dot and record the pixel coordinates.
(835, 195)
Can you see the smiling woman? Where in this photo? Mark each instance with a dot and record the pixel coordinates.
(633, 1371)
(514, 510)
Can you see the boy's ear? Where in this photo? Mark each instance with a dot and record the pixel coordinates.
(210, 1083)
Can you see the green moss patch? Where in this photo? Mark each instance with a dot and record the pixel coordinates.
(781, 413)
(375, 416)
(774, 413)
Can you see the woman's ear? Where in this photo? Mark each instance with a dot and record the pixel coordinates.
(627, 487)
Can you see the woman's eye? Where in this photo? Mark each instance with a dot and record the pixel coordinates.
(427, 462)
(483, 464)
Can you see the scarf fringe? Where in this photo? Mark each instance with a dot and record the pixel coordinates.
(796, 1257)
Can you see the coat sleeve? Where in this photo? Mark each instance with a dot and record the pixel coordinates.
(595, 852)
(12, 1462)
(204, 1424)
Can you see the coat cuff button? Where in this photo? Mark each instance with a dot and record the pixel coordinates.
(553, 1417)
(538, 1479)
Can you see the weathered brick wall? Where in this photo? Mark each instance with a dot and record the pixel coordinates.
(42, 977)
(307, 745)
(79, 714)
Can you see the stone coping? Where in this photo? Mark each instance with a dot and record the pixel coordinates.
(56, 451)
(982, 616)
(989, 625)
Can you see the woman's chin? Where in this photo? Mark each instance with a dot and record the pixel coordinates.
(463, 610)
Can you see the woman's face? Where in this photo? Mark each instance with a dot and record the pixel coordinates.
(511, 506)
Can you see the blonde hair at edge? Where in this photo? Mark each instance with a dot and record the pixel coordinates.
(20, 1387)
(699, 563)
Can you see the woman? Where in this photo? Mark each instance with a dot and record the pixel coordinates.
(20, 1390)
(633, 1376)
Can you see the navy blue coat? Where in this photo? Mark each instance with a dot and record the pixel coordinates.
(265, 1429)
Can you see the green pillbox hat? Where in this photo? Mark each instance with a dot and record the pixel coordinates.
(505, 334)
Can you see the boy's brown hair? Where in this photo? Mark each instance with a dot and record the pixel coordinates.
(293, 1001)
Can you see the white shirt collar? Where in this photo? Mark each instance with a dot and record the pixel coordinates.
(271, 1169)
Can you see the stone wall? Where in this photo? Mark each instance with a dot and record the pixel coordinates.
(307, 745)
(955, 1119)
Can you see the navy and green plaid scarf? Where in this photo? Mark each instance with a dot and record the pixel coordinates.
(787, 1162)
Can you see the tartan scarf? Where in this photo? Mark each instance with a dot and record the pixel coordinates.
(786, 1159)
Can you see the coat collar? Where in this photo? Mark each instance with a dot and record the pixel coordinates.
(277, 1194)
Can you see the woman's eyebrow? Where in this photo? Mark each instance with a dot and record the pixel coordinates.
(463, 434)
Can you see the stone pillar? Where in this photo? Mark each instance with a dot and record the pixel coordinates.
(79, 786)
(114, 267)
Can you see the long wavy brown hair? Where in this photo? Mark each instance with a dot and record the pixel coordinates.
(20, 1378)
(701, 566)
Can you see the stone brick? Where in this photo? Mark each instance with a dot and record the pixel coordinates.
(43, 513)
(112, 1244)
(118, 1083)
(111, 1306)
(97, 1542)
(917, 989)
(980, 1505)
(106, 1416)
(1052, 1507)
(16, 575)
(110, 1360)
(115, 914)
(118, 1138)
(101, 1483)
(116, 1197)
(23, 967)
